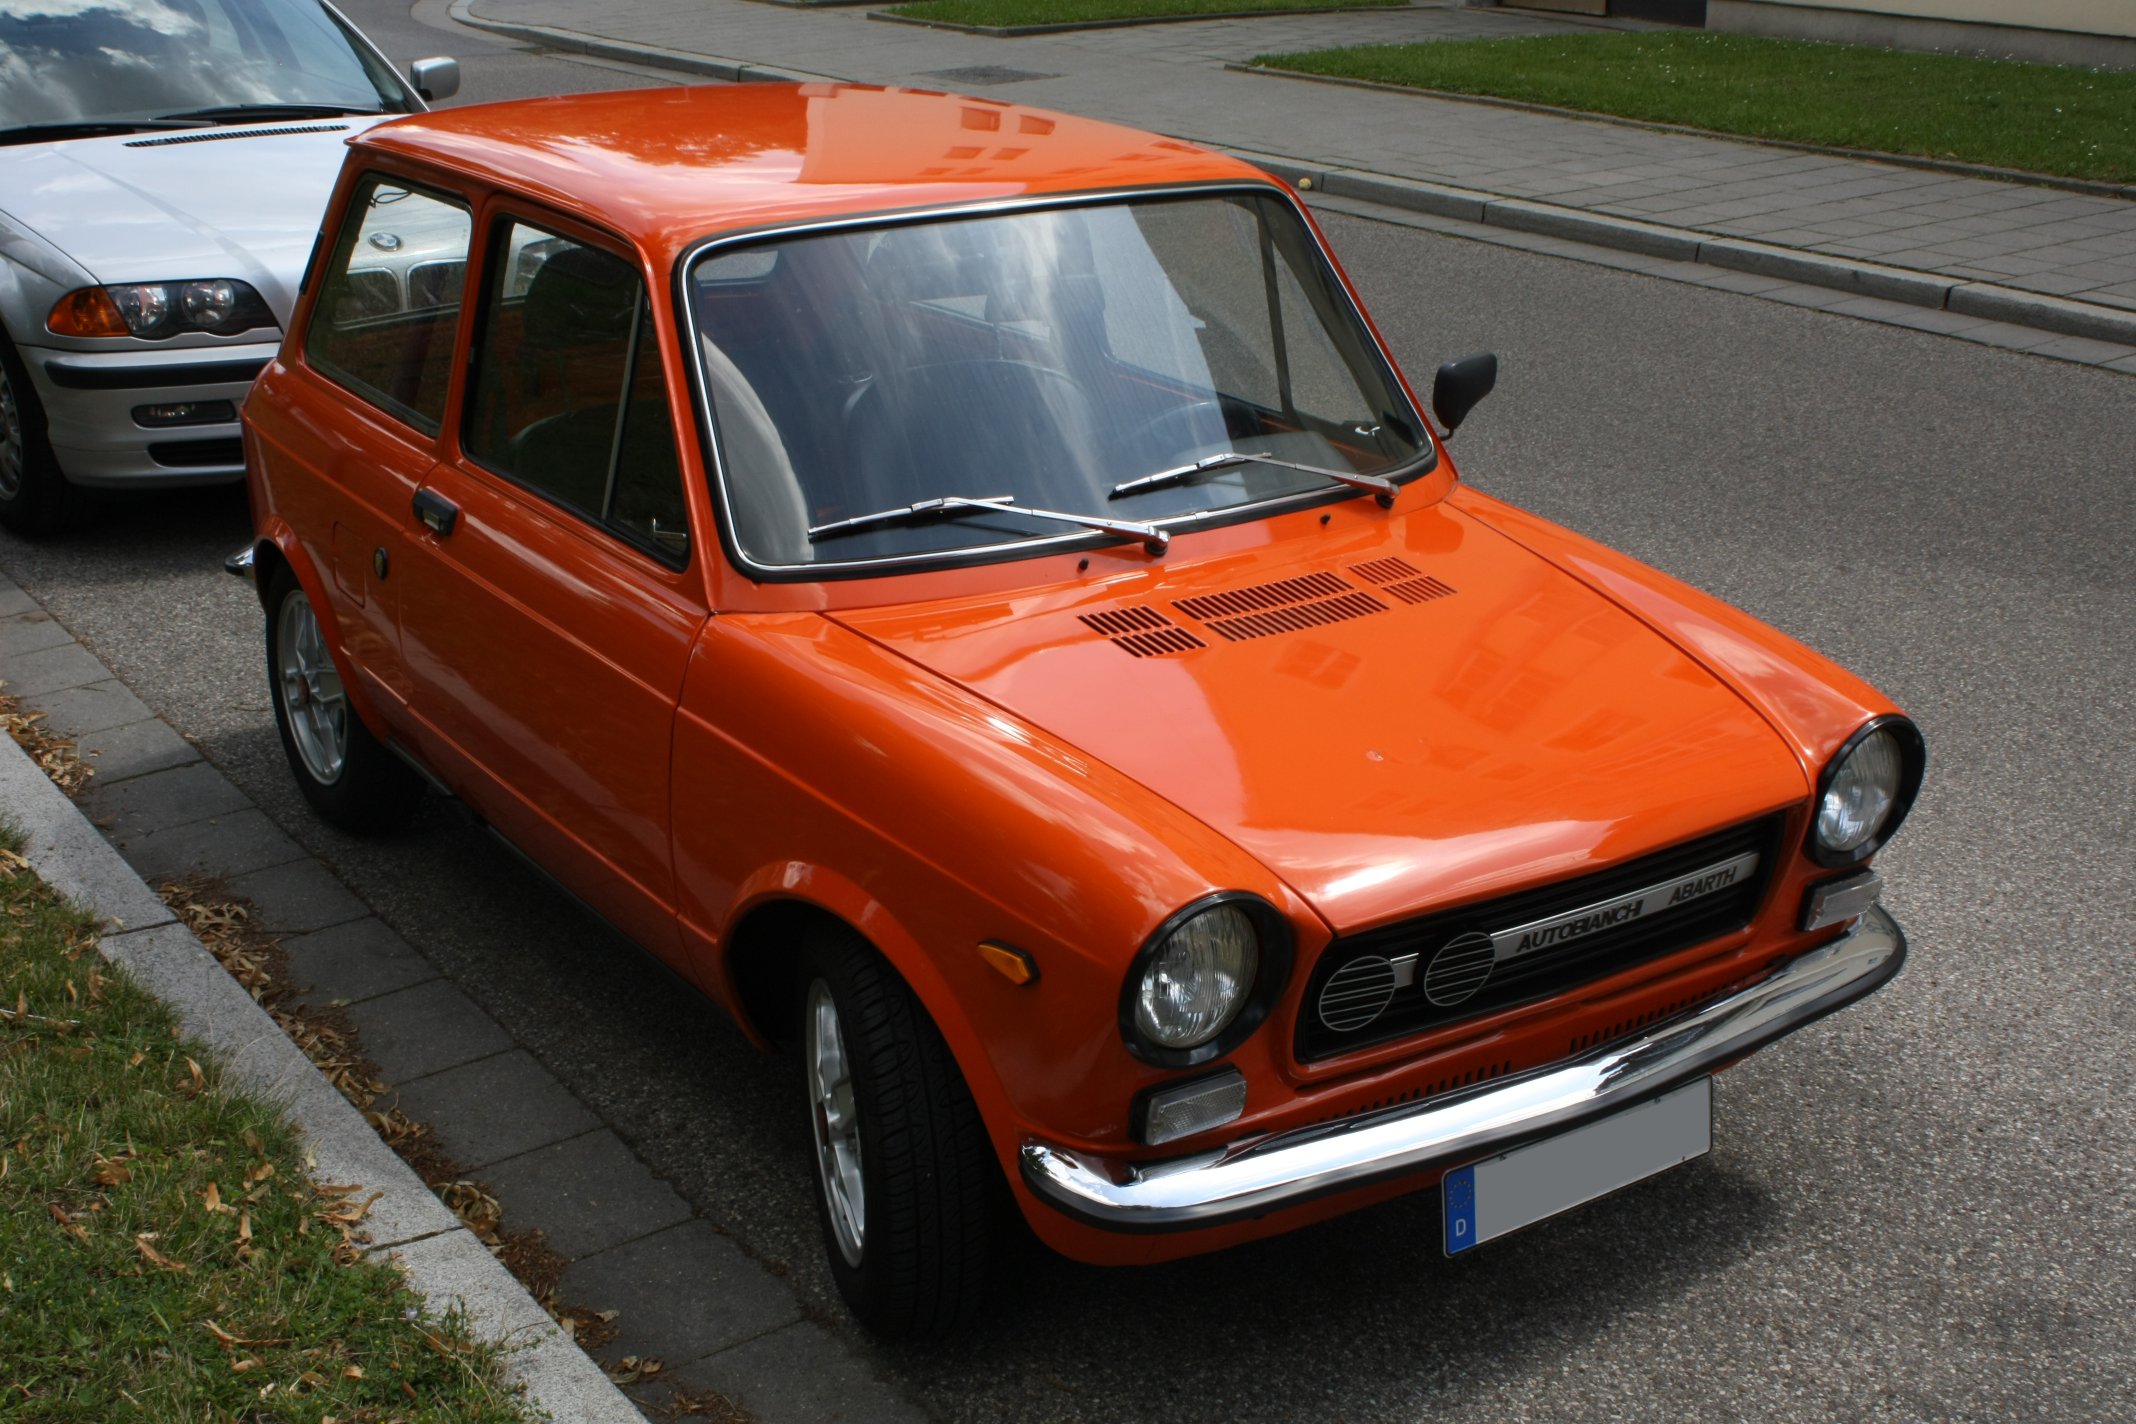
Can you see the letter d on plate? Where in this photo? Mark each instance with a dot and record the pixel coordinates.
(1458, 1188)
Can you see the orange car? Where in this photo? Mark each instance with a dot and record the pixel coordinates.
(968, 587)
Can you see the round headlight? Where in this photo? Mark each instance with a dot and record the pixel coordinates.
(1198, 979)
(209, 305)
(1866, 790)
(145, 306)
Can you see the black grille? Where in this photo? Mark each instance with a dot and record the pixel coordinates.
(1548, 971)
(198, 454)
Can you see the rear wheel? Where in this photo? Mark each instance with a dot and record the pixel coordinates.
(905, 1179)
(35, 499)
(351, 780)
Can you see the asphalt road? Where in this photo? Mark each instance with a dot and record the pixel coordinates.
(1921, 1209)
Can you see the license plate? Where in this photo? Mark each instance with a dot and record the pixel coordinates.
(1487, 1199)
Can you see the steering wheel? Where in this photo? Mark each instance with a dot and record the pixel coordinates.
(1181, 432)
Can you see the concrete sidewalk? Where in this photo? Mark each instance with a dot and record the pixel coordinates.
(1991, 250)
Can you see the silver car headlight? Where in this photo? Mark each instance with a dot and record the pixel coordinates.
(1866, 790)
(1204, 980)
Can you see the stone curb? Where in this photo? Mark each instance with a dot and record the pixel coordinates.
(712, 66)
(441, 1258)
(1128, 22)
(1899, 284)
(1868, 279)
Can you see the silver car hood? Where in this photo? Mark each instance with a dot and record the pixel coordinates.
(228, 202)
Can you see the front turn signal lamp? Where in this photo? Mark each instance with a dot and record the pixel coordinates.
(219, 306)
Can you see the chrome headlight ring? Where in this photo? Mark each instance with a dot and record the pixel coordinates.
(1883, 761)
(1271, 971)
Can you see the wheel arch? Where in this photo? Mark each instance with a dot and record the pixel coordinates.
(276, 552)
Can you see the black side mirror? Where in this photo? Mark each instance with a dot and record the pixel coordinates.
(1460, 385)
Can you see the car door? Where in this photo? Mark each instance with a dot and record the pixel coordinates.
(550, 606)
(382, 330)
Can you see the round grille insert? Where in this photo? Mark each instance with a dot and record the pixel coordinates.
(1459, 969)
(1357, 993)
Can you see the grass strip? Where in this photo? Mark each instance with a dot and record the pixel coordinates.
(1005, 14)
(163, 1256)
(2042, 118)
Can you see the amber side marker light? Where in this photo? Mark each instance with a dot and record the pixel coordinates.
(88, 312)
(1009, 962)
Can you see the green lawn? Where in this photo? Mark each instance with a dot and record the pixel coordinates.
(162, 1255)
(1007, 13)
(2076, 123)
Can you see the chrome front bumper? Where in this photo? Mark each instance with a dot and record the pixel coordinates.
(1259, 1175)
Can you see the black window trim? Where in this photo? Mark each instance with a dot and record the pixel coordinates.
(501, 215)
(376, 399)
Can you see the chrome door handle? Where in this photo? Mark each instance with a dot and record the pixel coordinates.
(436, 513)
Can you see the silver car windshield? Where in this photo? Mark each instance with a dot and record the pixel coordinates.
(1047, 354)
(68, 63)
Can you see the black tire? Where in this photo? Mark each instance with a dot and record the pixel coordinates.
(930, 1182)
(35, 498)
(368, 789)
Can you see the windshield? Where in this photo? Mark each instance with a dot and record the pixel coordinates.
(133, 61)
(1049, 355)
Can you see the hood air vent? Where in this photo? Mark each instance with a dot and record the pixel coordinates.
(217, 135)
(1143, 631)
(1264, 609)
(1402, 579)
(1285, 606)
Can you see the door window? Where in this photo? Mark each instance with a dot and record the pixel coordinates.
(567, 395)
(389, 303)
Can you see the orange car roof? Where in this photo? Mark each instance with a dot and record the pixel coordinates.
(667, 166)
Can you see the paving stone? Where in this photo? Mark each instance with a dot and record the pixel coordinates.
(495, 1107)
(29, 631)
(128, 810)
(136, 749)
(297, 898)
(76, 711)
(226, 846)
(802, 1371)
(424, 1028)
(359, 960)
(682, 1293)
(13, 600)
(588, 1194)
(32, 675)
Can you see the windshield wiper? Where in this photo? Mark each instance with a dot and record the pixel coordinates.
(954, 505)
(84, 128)
(1382, 487)
(246, 113)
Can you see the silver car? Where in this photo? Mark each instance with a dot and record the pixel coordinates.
(163, 168)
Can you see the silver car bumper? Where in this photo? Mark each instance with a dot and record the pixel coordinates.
(90, 400)
(1259, 1175)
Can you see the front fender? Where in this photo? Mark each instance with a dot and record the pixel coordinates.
(813, 765)
(277, 543)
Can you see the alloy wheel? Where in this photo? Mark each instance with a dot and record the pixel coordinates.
(311, 692)
(834, 1116)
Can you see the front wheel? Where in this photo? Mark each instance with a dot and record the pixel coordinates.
(35, 499)
(905, 1179)
(351, 780)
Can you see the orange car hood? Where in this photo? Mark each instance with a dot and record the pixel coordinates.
(1419, 714)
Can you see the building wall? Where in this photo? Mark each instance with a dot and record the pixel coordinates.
(2091, 33)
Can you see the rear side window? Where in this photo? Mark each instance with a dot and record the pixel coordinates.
(389, 306)
(567, 395)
